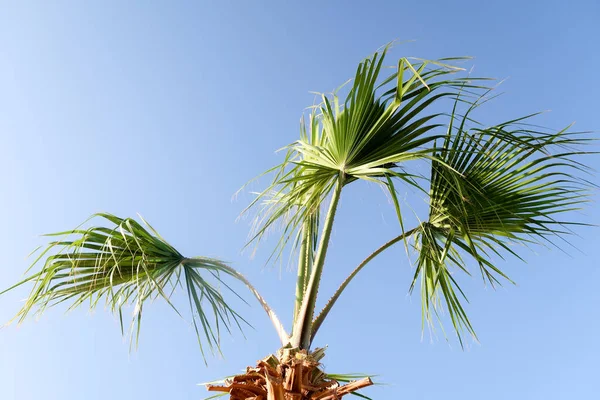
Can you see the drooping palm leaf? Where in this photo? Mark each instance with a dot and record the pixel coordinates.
(492, 188)
(127, 264)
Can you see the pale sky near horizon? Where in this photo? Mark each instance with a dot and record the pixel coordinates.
(166, 110)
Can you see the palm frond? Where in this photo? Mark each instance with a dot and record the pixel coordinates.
(491, 189)
(124, 265)
(380, 125)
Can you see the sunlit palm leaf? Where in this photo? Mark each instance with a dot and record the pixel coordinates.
(128, 264)
(380, 125)
(492, 188)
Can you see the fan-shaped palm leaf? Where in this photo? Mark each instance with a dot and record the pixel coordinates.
(492, 188)
(379, 126)
(128, 264)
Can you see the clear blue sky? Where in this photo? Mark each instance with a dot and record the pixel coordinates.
(167, 110)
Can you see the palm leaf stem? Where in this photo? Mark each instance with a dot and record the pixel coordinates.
(323, 314)
(302, 268)
(283, 335)
(302, 326)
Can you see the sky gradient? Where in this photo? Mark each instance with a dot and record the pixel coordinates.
(167, 110)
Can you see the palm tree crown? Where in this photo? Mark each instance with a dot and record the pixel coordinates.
(490, 187)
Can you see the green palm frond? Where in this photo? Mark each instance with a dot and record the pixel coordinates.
(493, 188)
(380, 125)
(128, 264)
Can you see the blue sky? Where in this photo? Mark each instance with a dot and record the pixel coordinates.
(167, 110)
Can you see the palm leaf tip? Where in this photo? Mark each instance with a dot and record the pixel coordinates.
(124, 265)
(438, 288)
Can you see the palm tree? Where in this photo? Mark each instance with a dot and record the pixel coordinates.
(489, 188)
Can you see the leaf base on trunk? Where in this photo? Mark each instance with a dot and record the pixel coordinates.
(291, 375)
